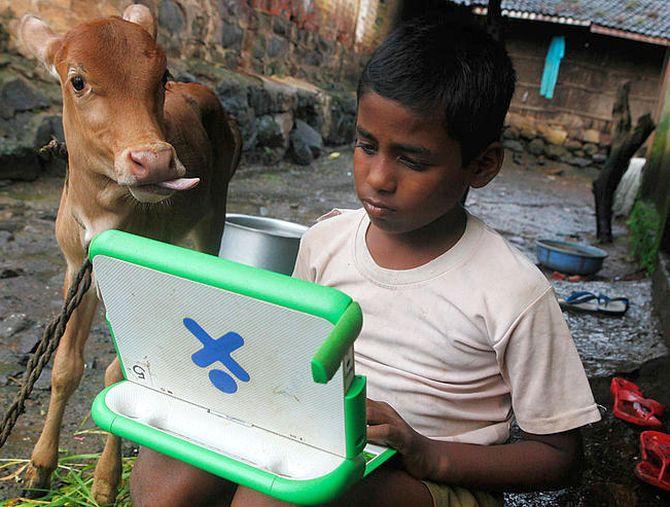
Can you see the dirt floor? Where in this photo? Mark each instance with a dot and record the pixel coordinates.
(523, 203)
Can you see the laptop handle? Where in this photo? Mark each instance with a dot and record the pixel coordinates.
(328, 358)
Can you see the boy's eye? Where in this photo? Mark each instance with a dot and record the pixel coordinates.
(368, 149)
(415, 165)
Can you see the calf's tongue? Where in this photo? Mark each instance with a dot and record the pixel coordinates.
(179, 183)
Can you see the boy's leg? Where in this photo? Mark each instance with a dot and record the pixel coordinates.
(159, 480)
(388, 486)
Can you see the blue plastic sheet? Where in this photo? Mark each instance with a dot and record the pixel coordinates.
(551, 65)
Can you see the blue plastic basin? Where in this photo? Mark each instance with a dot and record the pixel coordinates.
(569, 257)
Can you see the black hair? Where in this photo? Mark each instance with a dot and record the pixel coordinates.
(450, 65)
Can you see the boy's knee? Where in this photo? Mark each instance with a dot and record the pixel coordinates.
(148, 485)
(158, 480)
(245, 497)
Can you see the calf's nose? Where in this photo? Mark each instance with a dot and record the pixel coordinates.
(151, 165)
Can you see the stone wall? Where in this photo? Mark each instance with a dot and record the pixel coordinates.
(278, 117)
(285, 69)
(593, 69)
(322, 41)
(546, 142)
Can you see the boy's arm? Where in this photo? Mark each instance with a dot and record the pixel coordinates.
(535, 463)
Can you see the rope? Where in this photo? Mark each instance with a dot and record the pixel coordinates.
(52, 150)
(45, 348)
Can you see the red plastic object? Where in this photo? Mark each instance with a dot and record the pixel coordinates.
(631, 406)
(655, 448)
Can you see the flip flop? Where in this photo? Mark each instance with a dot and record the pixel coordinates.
(655, 448)
(631, 406)
(589, 302)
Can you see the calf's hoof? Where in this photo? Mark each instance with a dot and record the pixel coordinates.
(103, 492)
(37, 481)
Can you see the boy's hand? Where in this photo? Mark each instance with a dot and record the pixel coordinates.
(386, 427)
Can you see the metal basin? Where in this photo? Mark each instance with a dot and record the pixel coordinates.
(569, 257)
(261, 242)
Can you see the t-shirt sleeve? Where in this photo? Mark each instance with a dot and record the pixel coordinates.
(304, 268)
(302, 263)
(540, 364)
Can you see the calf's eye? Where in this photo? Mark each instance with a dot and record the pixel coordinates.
(78, 83)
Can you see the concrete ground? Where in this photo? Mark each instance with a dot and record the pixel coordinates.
(523, 203)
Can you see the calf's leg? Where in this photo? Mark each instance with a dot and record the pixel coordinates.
(67, 371)
(108, 470)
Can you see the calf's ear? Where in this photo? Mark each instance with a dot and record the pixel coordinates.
(141, 15)
(40, 40)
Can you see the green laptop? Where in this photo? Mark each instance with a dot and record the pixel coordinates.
(242, 372)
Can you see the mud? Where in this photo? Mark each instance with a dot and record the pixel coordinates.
(523, 203)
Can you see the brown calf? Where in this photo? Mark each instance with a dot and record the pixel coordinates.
(147, 156)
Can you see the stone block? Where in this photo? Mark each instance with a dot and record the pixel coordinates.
(285, 122)
(273, 130)
(276, 46)
(281, 26)
(171, 17)
(299, 152)
(556, 152)
(579, 162)
(18, 161)
(17, 95)
(536, 146)
(554, 135)
(306, 143)
(231, 35)
(513, 145)
(50, 126)
(342, 118)
(511, 132)
(233, 91)
(590, 149)
(527, 133)
(573, 145)
(590, 136)
(272, 97)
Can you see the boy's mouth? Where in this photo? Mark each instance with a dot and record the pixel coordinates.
(376, 209)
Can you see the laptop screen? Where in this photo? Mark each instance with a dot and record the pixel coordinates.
(240, 357)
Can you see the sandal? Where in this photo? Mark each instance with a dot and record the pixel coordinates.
(589, 302)
(631, 406)
(655, 448)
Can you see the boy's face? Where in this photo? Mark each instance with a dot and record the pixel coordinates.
(407, 170)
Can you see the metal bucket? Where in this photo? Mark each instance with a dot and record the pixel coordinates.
(261, 242)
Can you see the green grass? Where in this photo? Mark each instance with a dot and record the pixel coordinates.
(645, 229)
(71, 482)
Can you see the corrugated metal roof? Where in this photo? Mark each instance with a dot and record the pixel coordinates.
(650, 18)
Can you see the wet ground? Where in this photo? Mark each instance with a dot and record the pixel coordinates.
(522, 203)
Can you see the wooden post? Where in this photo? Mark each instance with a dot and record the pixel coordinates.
(624, 145)
(494, 21)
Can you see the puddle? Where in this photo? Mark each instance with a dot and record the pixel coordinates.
(608, 345)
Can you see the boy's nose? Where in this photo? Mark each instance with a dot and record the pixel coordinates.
(381, 175)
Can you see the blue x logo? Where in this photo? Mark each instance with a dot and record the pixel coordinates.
(218, 350)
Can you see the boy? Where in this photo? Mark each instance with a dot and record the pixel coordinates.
(460, 330)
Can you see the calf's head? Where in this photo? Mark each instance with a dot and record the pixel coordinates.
(114, 79)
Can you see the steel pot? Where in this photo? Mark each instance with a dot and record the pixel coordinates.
(261, 242)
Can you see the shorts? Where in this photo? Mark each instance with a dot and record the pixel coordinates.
(455, 496)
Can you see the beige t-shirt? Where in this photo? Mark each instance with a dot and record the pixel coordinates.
(461, 344)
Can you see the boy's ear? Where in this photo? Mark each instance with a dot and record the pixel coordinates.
(486, 165)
